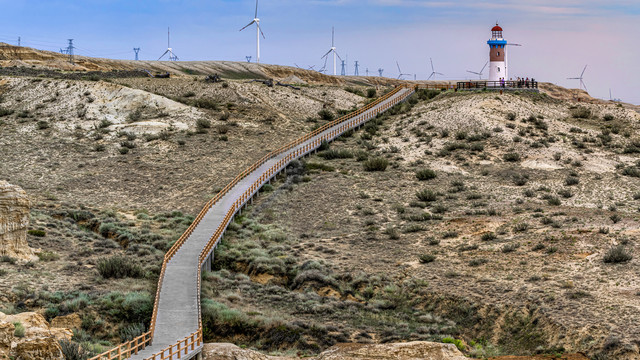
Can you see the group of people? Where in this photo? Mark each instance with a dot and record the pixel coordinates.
(520, 83)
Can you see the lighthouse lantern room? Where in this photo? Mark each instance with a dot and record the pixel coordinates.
(497, 55)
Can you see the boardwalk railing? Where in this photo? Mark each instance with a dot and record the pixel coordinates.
(497, 85)
(181, 349)
(194, 341)
(436, 87)
(127, 349)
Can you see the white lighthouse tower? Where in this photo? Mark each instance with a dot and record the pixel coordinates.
(497, 55)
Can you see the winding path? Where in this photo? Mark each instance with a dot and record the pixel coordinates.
(176, 329)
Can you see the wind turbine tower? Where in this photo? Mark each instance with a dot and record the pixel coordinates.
(332, 50)
(259, 32)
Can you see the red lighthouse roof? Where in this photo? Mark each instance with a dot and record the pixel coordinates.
(496, 28)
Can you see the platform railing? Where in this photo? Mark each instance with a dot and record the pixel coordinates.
(497, 85)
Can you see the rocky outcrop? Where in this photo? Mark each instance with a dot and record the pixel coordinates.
(397, 351)
(222, 351)
(38, 349)
(14, 220)
(71, 321)
(38, 342)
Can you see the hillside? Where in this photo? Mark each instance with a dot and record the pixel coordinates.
(495, 219)
(499, 243)
(11, 56)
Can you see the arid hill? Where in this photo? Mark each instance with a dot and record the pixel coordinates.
(505, 224)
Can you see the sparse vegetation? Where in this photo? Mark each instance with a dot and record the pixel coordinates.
(581, 112)
(425, 174)
(19, 330)
(118, 267)
(617, 254)
(511, 157)
(326, 114)
(375, 164)
(427, 195)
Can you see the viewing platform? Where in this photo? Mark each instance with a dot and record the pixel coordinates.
(498, 85)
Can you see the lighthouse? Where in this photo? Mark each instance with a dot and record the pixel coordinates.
(497, 55)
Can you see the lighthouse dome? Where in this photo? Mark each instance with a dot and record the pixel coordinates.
(496, 28)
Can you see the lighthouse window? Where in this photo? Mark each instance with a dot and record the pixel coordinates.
(498, 69)
(498, 53)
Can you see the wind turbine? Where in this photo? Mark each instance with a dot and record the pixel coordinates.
(400, 72)
(172, 56)
(332, 50)
(433, 71)
(258, 32)
(479, 73)
(582, 84)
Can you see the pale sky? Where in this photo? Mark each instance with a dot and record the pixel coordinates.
(559, 37)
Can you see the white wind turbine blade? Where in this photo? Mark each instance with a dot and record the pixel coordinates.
(430, 76)
(165, 53)
(333, 33)
(325, 55)
(583, 70)
(249, 24)
(485, 65)
(256, 16)
(338, 55)
(324, 67)
(432, 69)
(259, 28)
(583, 84)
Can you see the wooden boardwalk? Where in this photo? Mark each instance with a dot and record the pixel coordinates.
(176, 329)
